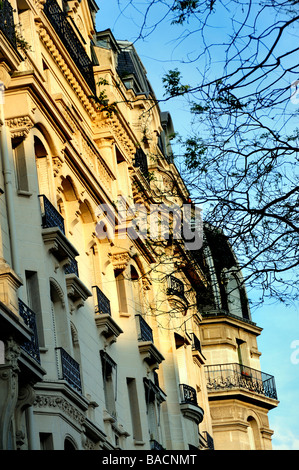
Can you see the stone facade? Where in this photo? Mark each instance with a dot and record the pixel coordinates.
(108, 335)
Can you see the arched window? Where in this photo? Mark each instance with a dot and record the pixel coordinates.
(136, 291)
(69, 444)
(41, 157)
(233, 296)
(60, 323)
(75, 344)
(253, 434)
(121, 292)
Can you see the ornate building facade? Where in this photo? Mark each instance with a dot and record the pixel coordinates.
(109, 338)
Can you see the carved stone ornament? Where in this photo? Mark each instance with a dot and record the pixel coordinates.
(12, 354)
(119, 260)
(61, 404)
(19, 126)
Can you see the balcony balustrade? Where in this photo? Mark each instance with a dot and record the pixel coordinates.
(30, 347)
(175, 287)
(231, 376)
(7, 25)
(140, 161)
(147, 349)
(145, 333)
(102, 302)
(50, 215)
(188, 394)
(155, 445)
(196, 346)
(209, 440)
(72, 268)
(70, 370)
(66, 33)
(189, 406)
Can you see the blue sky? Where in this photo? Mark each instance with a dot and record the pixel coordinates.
(279, 340)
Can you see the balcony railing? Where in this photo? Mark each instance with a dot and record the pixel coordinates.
(31, 347)
(209, 440)
(141, 162)
(70, 370)
(196, 346)
(188, 394)
(50, 215)
(66, 33)
(102, 302)
(145, 333)
(220, 313)
(175, 286)
(231, 376)
(72, 268)
(155, 445)
(7, 25)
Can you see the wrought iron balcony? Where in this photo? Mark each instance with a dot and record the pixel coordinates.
(31, 347)
(70, 370)
(140, 161)
(72, 268)
(66, 33)
(231, 376)
(209, 440)
(175, 287)
(7, 25)
(145, 333)
(188, 394)
(196, 346)
(102, 302)
(50, 215)
(155, 445)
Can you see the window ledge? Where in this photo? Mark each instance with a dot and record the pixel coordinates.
(107, 327)
(150, 353)
(58, 244)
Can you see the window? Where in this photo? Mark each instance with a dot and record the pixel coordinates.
(33, 297)
(253, 434)
(46, 441)
(136, 291)
(69, 445)
(60, 322)
(42, 167)
(134, 408)
(21, 167)
(153, 397)
(121, 293)
(233, 296)
(109, 371)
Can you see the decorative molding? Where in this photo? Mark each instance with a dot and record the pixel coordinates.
(119, 260)
(63, 66)
(50, 401)
(19, 126)
(123, 141)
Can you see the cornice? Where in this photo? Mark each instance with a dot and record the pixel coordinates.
(113, 127)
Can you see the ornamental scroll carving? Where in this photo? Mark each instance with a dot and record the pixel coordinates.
(43, 401)
(119, 260)
(19, 126)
